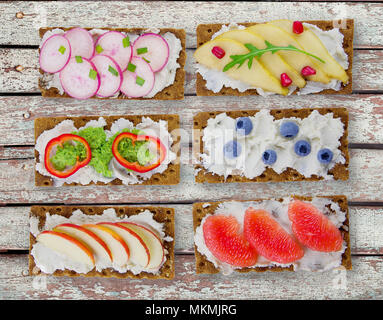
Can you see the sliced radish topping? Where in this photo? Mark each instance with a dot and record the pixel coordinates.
(110, 75)
(81, 42)
(153, 48)
(115, 45)
(55, 53)
(138, 78)
(79, 78)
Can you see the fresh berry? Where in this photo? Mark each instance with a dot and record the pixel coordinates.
(218, 52)
(232, 149)
(288, 129)
(325, 155)
(302, 148)
(313, 229)
(308, 71)
(224, 240)
(285, 80)
(297, 27)
(243, 125)
(269, 156)
(269, 239)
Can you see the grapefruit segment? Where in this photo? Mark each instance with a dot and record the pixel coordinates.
(269, 239)
(313, 229)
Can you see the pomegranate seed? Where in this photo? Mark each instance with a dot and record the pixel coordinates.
(285, 80)
(218, 52)
(297, 27)
(308, 71)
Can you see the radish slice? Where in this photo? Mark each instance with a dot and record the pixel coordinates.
(110, 75)
(79, 78)
(81, 42)
(115, 45)
(54, 53)
(153, 48)
(138, 78)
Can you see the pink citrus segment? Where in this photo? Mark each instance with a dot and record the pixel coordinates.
(269, 239)
(224, 240)
(313, 229)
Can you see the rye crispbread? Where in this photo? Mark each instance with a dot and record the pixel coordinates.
(339, 171)
(205, 266)
(169, 177)
(160, 214)
(206, 31)
(173, 92)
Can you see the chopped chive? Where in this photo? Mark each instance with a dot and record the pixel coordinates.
(126, 42)
(146, 60)
(142, 50)
(113, 71)
(131, 67)
(92, 74)
(62, 49)
(140, 81)
(99, 49)
(78, 59)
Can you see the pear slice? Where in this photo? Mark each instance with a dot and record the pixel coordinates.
(273, 62)
(257, 76)
(311, 43)
(297, 60)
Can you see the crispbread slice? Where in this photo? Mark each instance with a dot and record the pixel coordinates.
(172, 92)
(206, 31)
(160, 214)
(203, 265)
(169, 177)
(339, 171)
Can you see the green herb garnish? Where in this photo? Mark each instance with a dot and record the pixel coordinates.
(99, 49)
(140, 81)
(126, 42)
(131, 67)
(78, 59)
(142, 50)
(146, 60)
(255, 52)
(92, 74)
(62, 49)
(113, 71)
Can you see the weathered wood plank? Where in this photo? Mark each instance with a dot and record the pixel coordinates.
(363, 282)
(21, 20)
(365, 229)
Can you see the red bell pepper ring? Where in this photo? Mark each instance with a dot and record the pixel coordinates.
(59, 141)
(136, 166)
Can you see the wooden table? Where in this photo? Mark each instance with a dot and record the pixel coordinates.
(21, 103)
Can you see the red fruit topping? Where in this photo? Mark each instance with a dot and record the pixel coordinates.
(269, 239)
(222, 237)
(218, 52)
(313, 229)
(308, 71)
(285, 80)
(297, 27)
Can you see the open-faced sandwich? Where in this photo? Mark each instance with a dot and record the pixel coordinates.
(291, 233)
(112, 63)
(278, 57)
(107, 150)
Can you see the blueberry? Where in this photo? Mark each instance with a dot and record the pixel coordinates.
(288, 129)
(302, 148)
(244, 125)
(232, 149)
(269, 157)
(325, 155)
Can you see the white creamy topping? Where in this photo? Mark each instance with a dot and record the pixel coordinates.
(321, 131)
(311, 261)
(87, 174)
(48, 261)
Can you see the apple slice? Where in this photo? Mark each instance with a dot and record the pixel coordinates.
(67, 245)
(152, 241)
(139, 252)
(99, 248)
(120, 251)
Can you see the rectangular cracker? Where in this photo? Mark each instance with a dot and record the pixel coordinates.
(172, 92)
(160, 214)
(206, 31)
(205, 266)
(339, 171)
(170, 176)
